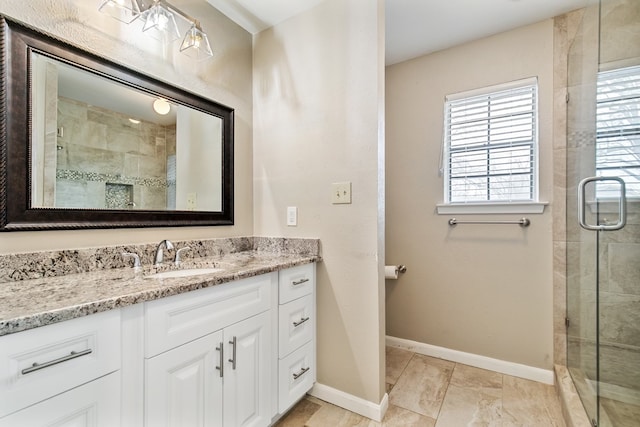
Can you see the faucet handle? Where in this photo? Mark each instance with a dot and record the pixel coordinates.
(136, 259)
(178, 260)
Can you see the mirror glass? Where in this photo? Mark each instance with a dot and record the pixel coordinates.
(100, 144)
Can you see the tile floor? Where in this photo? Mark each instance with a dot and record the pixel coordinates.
(427, 392)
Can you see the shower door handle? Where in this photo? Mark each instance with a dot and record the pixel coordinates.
(622, 205)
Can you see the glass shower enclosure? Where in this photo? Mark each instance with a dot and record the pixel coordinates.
(603, 212)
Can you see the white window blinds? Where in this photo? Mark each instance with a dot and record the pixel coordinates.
(618, 131)
(491, 145)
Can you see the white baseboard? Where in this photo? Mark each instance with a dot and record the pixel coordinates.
(351, 402)
(514, 369)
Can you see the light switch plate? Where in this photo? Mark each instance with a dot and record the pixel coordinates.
(192, 201)
(341, 193)
(292, 216)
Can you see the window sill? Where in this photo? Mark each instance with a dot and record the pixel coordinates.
(491, 208)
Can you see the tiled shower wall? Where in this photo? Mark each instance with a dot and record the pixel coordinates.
(106, 161)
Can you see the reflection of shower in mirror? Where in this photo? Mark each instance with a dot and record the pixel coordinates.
(120, 145)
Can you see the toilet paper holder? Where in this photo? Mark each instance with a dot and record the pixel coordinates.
(392, 272)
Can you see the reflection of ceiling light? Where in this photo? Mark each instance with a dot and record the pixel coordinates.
(160, 23)
(134, 121)
(161, 106)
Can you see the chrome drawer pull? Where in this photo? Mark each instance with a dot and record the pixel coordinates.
(301, 373)
(304, 319)
(37, 366)
(221, 367)
(234, 343)
(299, 282)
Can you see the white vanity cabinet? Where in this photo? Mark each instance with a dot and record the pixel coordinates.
(296, 334)
(64, 374)
(208, 356)
(238, 354)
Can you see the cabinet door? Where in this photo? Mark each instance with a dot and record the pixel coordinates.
(95, 404)
(184, 385)
(247, 377)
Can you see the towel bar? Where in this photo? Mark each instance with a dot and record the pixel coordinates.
(523, 222)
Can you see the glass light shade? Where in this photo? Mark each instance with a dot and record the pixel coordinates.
(196, 44)
(160, 24)
(125, 11)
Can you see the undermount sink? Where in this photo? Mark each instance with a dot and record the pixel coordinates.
(183, 273)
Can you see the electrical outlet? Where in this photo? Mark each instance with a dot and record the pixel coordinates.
(292, 216)
(341, 193)
(192, 201)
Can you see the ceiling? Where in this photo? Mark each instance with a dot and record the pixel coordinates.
(414, 27)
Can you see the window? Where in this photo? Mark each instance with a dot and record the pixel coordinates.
(490, 146)
(618, 131)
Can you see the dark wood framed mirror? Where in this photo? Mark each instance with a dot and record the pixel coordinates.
(88, 143)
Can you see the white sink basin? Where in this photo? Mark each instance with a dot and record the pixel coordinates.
(183, 273)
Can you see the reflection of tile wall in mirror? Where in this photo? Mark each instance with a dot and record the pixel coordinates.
(118, 196)
(99, 144)
(171, 181)
(78, 192)
(50, 135)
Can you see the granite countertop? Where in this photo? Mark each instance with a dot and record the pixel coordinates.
(27, 304)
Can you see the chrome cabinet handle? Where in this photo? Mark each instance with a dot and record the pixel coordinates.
(221, 361)
(73, 355)
(301, 373)
(234, 343)
(304, 319)
(299, 282)
(622, 206)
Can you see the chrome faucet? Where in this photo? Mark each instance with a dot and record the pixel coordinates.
(160, 251)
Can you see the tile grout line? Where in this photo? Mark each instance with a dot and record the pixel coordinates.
(402, 372)
(413, 354)
(455, 364)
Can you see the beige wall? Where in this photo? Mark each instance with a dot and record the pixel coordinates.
(318, 105)
(226, 78)
(479, 289)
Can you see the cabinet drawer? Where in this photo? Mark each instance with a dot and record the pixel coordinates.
(176, 320)
(95, 404)
(296, 324)
(296, 282)
(296, 375)
(65, 355)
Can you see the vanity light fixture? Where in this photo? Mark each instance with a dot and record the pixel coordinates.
(134, 121)
(161, 106)
(123, 10)
(196, 43)
(160, 23)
